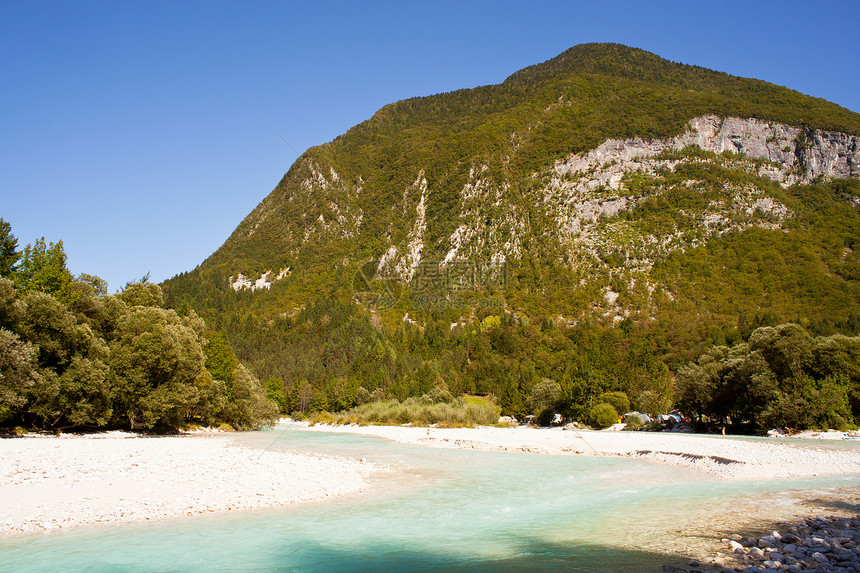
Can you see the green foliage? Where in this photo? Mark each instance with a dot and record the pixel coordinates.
(810, 404)
(157, 366)
(11, 307)
(221, 361)
(425, 410)
(319, 350)
(275, 392)
(92, 360)
(617, 400)
(602, 416)
(781, 377)
(43, 269)
(142, 293)
(545, 395)
(18, 372)
(247, 406)
(9, 254)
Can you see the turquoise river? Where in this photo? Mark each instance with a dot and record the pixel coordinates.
(445, 510)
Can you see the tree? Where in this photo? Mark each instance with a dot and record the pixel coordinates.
(73, 389)
(544, 396)
(157, 367)
(142, 293)
(602, 416)
(617, 400)
(247, 406)
(9, 254)
(18, 372)
(43, 269)
(221, 361)
(11, 307)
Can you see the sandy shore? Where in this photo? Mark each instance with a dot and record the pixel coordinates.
(56, 482)
(725, 457)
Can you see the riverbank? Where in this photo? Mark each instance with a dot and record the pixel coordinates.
(724, 457)
(58, 482)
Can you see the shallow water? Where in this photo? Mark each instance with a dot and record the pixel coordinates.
(438, 510)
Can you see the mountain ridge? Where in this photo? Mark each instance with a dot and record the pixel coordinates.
(475, 175)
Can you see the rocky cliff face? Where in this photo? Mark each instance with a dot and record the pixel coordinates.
(585, 188)
(793, 155)
(575, 206)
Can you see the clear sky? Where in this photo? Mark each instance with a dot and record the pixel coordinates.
(138, 132)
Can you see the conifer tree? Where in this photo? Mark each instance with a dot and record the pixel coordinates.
(9, 254)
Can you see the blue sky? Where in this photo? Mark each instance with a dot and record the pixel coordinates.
(136, 132)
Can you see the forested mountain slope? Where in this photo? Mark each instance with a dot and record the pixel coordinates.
(606, 194)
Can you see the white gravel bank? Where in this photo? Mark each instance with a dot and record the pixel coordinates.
(726, 457)
(54, 482)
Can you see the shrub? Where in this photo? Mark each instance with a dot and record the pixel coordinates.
(602, 416)
(456, 412)
(617, 400)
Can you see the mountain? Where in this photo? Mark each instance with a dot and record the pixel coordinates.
(606, 186)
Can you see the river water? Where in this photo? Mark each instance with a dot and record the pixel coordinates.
(447, 510)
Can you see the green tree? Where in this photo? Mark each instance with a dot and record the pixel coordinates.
(18, 372)
(74, 389)
(9, 254)
(602, 416)
(545, 395)
(157, 367)
(247, 406)
(221, 361)
(617, 400)
(11, 307)
(43, 269)
(143, 293)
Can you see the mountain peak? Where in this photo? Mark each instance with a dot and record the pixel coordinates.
(603, 58)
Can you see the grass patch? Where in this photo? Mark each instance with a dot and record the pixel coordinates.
(457, 412)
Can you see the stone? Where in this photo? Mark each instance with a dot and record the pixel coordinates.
(820, 558)
(757, 553)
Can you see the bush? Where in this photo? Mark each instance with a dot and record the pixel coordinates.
(421, 411)
(617, 400)
(602, 416)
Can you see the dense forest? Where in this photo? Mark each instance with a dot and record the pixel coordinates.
(703, 251)
(74, 357)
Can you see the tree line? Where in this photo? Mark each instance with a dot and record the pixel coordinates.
(332, 354)
(779, 377)
(73, 356)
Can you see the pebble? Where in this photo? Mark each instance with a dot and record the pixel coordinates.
(48, 483)
(817, 545)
